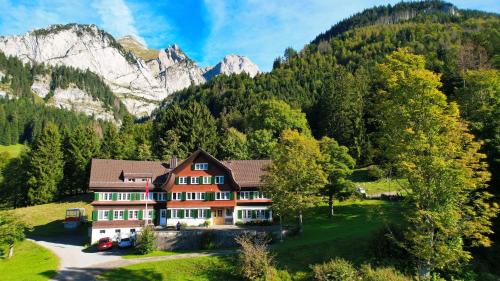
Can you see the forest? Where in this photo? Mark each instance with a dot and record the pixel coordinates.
(338, 86)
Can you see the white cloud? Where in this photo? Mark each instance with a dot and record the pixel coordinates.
(116, 18)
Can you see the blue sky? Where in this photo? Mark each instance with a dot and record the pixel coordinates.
(205, 29)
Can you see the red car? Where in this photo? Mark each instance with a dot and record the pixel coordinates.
(104, 244)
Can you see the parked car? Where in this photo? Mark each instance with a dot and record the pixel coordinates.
(104, 244)
(125, 243)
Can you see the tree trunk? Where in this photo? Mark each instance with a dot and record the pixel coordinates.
(301, 226)
(330, 205)
(281, 229)
(11, 251)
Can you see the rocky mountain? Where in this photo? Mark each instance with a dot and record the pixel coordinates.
(138, 76)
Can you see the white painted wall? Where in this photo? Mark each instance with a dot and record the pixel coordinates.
(236, 219)
(111, 232)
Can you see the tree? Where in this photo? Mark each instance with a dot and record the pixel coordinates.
(11, 230)
(146, 242)
(194, 126)
(296, 174)
(276, 116)
(13, 187)
(261, 144)
(426, 142)
(45, 167)
(254, 260)
(80, 147)
(339, 165)
(234, 145)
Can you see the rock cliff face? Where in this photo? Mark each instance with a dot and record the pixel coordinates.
(138, 76)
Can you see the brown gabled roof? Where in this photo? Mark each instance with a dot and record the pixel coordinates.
(109, 173)
(247, 173)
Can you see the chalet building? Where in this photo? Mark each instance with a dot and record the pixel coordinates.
(199, 190)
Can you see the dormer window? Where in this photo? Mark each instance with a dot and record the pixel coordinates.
(131, 180)
(201, 166)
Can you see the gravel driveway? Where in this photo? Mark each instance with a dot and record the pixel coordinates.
(79, 265)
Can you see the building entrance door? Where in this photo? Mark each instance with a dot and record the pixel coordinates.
(163, 216)
(218, 216)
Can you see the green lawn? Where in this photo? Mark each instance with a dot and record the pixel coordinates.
(12, 150)
(346, 235)
(361, 178)
(47, 219)
(133, 255)
(192, 269)
(29, 263)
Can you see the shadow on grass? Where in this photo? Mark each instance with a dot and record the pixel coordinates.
(49, 274)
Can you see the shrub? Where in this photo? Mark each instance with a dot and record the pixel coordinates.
(146, 241)
(207, 240)
(335, 270)
(375, 172)
(385, 248)
(255, 262)
(381, 274)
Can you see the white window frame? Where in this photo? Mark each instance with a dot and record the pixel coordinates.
(194, 180)
(207, 179)
(133, 214)
(224, 195)
(118, 214)
(183, 180)
(219, 179)
(176, 196)
(149, 214)
(102, 215)
(106, 196)
(201, 166)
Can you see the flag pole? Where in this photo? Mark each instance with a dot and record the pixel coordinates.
(147, 198)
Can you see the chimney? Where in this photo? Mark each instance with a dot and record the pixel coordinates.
(173, 162)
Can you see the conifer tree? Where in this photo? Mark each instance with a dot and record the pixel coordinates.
(45, 167)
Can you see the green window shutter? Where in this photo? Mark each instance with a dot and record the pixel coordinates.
(115, 196)
(212, 180)
(110, 215)
(200, 180)
(125, 215)
(140, 215)
(180, 214)
(188, 180)
(169, 196)
(240, 214)
(212, 196)
(206, 196)
(238, 196)
(169, 213)
(154, 214)
(207, 213)
(267, 213)
(195, 214)
(96, 196)
(231, 195)
(192, 166)
(176, 180)
(254, 214)
(94, 215)
(251, 195)
(183, 196)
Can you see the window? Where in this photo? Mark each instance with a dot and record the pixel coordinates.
(195, 180)
(176, 196)
(133, 214)
(102, 231)
(150, 214)
(143, 195)
(229, 212)
(222, 195)
(102, 215)
(107, 196)
(254, 214)
(117, 231)
(183, 180)
(132, 230)
(207, 180)
(128, 196)
(201, 166)
(155, 196)
(246, 195)
(118, 215)
(219, 179)
(131, 180)
(195, 196)
(161, 196)
(123, 196)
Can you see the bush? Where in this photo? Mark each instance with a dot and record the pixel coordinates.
(146, 241)
(335, 270)
(385, 248)
(381, 274)
(254, 261)
(207, 240)
(374, 172)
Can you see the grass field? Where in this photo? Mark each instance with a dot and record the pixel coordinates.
(29, 263)
(347, 235)
(133, 255)
(193, 269)
(12, 150)
(47, 219)
(361, 178)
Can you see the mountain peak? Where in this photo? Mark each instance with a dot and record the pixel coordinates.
(233, 64)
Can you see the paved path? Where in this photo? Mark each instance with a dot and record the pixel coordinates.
(77, 265)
